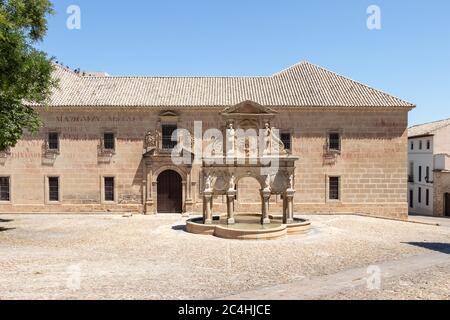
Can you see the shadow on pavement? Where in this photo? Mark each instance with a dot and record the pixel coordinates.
(435, 246)
(180, 227)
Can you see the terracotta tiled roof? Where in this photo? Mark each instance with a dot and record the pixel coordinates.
(302, 85)
(427, 128)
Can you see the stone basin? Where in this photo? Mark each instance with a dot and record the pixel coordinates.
(248, 227)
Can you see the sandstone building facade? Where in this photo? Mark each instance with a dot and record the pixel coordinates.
(106, 144)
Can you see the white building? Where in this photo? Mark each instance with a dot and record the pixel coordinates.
(428, 149)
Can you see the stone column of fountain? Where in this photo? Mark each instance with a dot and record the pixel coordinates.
(231, 195)
(265, 197)
(288, 203)
(290, 206)
(207, 196)
(208, 200)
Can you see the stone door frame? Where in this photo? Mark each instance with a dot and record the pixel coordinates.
(154, 165)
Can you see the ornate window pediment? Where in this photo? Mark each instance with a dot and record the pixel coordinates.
(168, 116)
(248, 108)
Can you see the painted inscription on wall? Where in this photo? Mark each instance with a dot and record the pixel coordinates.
(97, 118)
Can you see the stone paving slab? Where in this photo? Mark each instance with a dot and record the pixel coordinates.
(316, 287)
(152, 257)
(442, 221)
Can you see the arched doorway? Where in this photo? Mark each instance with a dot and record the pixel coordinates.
(170, 192)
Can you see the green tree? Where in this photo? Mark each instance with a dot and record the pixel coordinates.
(25, 72)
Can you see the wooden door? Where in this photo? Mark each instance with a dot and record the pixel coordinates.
(169, 192)
(447, 204)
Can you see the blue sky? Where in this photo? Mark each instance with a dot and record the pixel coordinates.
(409, 57)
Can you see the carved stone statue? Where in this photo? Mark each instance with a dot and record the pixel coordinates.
(208, 182)
(232, 182)
(267, 138)
(231, 140)
(272, 142)
(217, 148)
(291, 182)
(247, 147)
(267, 182)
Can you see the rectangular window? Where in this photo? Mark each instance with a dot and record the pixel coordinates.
(167, 131)
(334, 188)
(428, 144)
(420, 173)
(427, 197)
(427, 177)
(5, 189)
(334, 141)
(419, 194)
(411, 198)
(411, 172)
(109, 189)
(53, 141)
(412, 145)
(420, 145)
(53, 189)
(286, 139)
(109, 141)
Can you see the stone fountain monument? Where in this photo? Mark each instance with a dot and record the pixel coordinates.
(267, 161)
